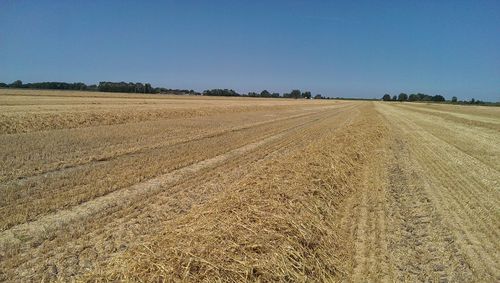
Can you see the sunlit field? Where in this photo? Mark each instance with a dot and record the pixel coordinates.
(133, 187)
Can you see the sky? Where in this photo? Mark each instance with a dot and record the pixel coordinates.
(336, 48)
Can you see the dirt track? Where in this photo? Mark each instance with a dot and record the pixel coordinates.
(243, 189)
(429, 207)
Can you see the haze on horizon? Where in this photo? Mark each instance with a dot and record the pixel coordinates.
(336, 48)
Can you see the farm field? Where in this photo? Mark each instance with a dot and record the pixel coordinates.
(103, 187)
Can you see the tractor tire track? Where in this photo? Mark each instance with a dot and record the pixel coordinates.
(365, 221)
(422, 247)
(461, 190)
(423, 212)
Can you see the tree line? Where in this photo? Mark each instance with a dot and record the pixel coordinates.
(138, 87)
(296, 93)
(413, 97)
(49, 85)
(432, 98)
(102, 86)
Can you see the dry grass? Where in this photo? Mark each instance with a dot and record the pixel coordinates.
(62, 168)
(455, 167)
(99, 187)
(109, 159)
(276, 224)
(31, 111)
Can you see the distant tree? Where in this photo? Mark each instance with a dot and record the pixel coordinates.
(394, 98)
(413, 97)
(403, 97)
(3, 85)
(16, 84)
(139, 88)
(287, 95)
(472, 101)
(454, 99)
(265, 93)
(220, 92)
(253, 94)
(306, 94)
(126, 87)
(318, 96)
(438, 98)
(295, 94)
(174, 91)
(386, 97)
(55, 85)
(426, 97)
(275, 94)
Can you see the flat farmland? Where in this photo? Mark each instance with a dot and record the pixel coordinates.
(118, 187)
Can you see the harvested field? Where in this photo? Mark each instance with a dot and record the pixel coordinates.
(105, 187)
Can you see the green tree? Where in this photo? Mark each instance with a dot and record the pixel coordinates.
(220, 92)
(306, 94)
(265, 93)
(295, 94)
(16, 84)
(454, 99)
(386, 97)
(438, 98)
(403, 97)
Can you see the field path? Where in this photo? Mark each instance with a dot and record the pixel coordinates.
(422, 247)
(464, 190)
(429, 206)
(364, 219)
(443, 196)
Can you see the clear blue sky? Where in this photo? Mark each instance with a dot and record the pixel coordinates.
(337, 48)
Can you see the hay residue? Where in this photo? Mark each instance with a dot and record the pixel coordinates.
(279, 223)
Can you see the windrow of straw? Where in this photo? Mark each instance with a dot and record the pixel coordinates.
(279, 223)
